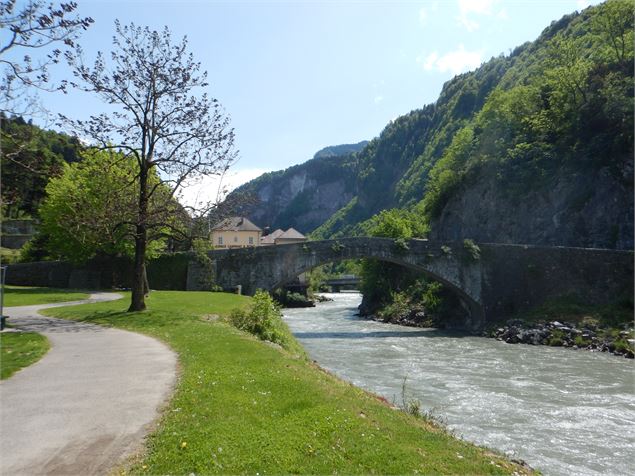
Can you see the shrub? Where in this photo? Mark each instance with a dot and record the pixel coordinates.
(401, 244)
(472, 248)
(337, 247)
(556, 338)
(581, 341)
(263, 319)
(399, 307)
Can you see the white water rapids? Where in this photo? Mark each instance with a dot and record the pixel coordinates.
(563, 411)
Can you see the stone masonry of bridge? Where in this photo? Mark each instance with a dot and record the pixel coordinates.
(502, 280)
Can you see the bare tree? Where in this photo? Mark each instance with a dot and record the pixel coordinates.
(158, 117)
(34, 25)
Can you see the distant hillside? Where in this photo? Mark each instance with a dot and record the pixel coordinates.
(30, 157)
(338, 150)
(305, 195)
(534, 147)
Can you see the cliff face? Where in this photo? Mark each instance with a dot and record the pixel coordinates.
(591, 210)
(535, 147)
(305, 195)
(531, 148)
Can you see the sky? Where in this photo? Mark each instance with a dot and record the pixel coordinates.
(297, 76)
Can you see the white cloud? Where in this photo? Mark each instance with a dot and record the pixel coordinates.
(213, 188)
(457, 61)
(468, 8)
(378, 99)
(430, 60)
(424, 12)
(423, 15)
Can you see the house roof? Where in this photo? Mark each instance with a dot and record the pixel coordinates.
(235, 224)
(292, 233)
(271, 237)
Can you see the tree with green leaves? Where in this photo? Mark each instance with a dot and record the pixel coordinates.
(89, 209)
(614, 24)
(159, 120)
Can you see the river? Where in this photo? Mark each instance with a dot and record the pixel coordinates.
(563, 411)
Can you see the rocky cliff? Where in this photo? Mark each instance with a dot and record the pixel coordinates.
(534, 147)
(303, 196)
(591, 209)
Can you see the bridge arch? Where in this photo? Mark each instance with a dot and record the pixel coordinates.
(274, 266)
(503, 280)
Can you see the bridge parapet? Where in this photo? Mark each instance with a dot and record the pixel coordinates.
(494, 280)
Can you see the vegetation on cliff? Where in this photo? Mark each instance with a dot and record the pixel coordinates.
(528, 148)
(555, 110)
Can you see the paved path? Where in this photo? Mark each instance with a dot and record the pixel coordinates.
(88, 403)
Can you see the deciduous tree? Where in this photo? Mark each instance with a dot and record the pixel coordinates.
(158, 118)
(89, 209)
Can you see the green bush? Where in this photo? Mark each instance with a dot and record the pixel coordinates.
(399, 307)
(556, 338)
(263, 319)
(472, 248)
(581, 341)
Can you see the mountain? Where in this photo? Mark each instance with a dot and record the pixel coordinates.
(305, 195)
(535, 147)
(30, 157)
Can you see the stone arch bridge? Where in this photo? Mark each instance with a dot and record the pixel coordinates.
(493, 280)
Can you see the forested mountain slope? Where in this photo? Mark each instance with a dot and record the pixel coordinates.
(534, 147)
(305, 195)
(30, 157)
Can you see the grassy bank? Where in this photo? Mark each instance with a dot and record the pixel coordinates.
(20, 349)
(27, 296)
(244, 406)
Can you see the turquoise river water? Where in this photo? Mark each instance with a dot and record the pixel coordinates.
(563, 411)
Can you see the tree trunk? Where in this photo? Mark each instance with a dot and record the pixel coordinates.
(141, 240)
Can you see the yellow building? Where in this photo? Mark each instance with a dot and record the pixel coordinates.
(235, 232)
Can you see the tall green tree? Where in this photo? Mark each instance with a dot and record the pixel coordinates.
(160, 119)
(89, 209)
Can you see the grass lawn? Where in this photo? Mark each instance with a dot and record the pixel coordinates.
(243, 406)
(20, 349)
(26, 296)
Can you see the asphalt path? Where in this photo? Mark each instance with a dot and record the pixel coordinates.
(88, 403)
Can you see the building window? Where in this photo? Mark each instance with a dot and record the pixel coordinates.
(251, 240)
(235, 239)
(220, 240)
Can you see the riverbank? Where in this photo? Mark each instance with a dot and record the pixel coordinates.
(564, 412)
(584, 328)
(566, 334)
(243, 406)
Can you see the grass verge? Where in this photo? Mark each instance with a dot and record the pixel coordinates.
(28, 296)
(19, 350)
(242, 406)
